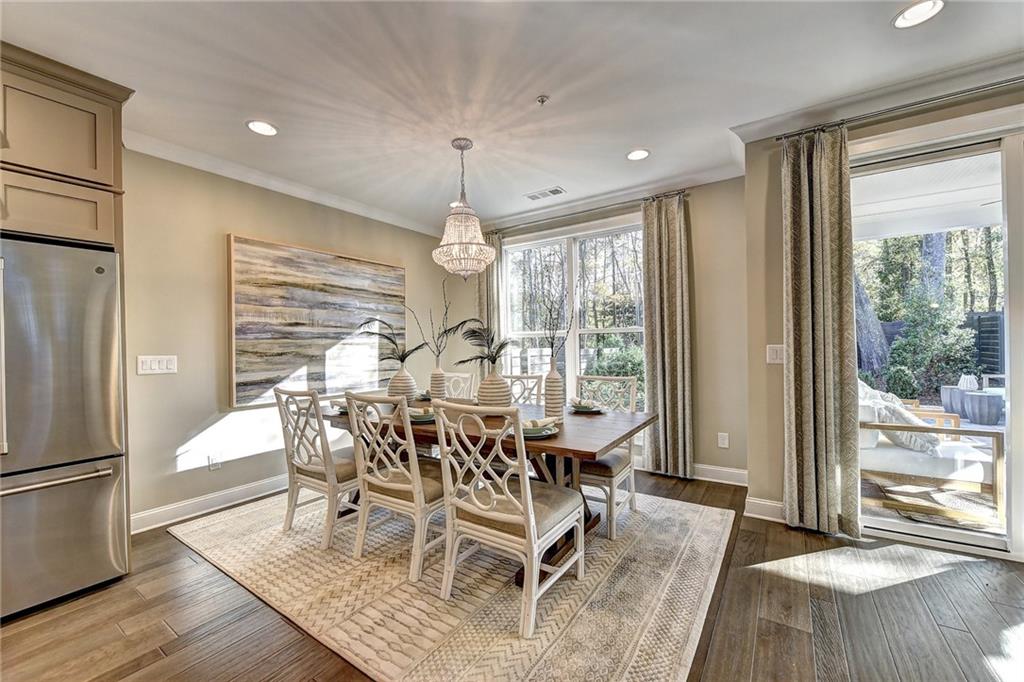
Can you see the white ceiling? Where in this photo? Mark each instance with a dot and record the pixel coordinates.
(932, 197)
(368, 95)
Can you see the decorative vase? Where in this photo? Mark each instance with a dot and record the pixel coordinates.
(968, 382)
(554, 392)
(437, 385)
(402, 384)
(494, 391)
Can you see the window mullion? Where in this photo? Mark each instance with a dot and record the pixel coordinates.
(572, 354)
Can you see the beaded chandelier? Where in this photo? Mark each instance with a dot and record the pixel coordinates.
(463, 251)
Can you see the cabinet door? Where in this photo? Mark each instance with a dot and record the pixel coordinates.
(53, 130)
(58, 209)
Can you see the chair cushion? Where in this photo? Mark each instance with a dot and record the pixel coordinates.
(608, 465)
(551, 504)
(344, 466)
(430, 477)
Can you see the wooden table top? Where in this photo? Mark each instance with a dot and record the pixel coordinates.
(583, 436)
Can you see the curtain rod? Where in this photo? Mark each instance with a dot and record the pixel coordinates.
(621, 204)
(938, 99)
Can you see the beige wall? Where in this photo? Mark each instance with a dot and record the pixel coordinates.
(175, 254)
(764, 287)
(719, 273)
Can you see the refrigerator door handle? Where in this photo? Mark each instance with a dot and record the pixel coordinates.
(3, 368)
(102, 473)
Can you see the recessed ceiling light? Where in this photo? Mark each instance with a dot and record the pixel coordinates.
(261, 128)
(918, 13)
(638, 155)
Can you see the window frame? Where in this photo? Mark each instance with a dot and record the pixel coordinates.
(569, 238)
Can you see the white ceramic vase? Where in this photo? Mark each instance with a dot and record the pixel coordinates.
(494, 391)
(402, 383)
(437, 385)
(554, 393)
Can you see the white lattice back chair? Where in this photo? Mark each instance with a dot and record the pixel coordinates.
(610, 471)
(312, 464)
(460, 385)
(391, 473)
(526, 388)
(490, 499)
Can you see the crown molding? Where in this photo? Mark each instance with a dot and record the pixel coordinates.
(146, 144)
(595, 203)
(37, 63)
(950, 80)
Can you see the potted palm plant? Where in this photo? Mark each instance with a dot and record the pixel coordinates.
(440, 332)
(402, 383)
(494, 390)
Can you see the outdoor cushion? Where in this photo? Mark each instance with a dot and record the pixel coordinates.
(551, 504)
(430, 477)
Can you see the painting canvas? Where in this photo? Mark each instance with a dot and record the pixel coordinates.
(295, 319)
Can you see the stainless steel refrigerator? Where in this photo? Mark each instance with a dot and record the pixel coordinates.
(62, 465)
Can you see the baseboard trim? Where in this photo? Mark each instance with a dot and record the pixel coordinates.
(717, 474)
(204, 504)
(769, 510)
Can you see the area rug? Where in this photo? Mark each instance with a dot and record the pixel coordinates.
(637, 615)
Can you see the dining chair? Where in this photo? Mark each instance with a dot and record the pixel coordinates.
(608, 472)
(490, 499)
(526, 388)
(312, 462)
(391, 473)
(461, 385)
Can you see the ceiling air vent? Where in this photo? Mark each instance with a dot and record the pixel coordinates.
(545, 193)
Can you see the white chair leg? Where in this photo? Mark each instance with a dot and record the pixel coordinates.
(451, 555)
(332, 516)
(632, 489)
(531, 583)
(363, 519)
(578, 545)
(419, 539)
(610, 528)
(293, 498)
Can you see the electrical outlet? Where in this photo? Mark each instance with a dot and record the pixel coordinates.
(776, 354)
(723, 440)
(213, 462)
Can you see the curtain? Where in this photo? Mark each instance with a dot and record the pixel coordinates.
(822, 469)
(669, 446)
(488, 286)
(488, 291)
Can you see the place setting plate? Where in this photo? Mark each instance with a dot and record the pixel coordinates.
(540, 433)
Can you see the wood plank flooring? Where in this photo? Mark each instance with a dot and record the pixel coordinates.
(789, 605)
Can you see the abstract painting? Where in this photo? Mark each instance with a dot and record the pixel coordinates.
(295, 314)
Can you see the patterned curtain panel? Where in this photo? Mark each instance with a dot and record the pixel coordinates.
(669, 446)
(488, 291)
(488, 286)
(822, 468)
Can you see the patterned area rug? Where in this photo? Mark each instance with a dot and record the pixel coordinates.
(637, 615)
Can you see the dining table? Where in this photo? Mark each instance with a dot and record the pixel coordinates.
(556, 458)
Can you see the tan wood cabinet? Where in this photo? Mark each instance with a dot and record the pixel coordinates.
(38, 205)
(53, 130)
(60, 149)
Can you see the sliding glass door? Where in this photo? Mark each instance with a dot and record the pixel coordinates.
(931, 289)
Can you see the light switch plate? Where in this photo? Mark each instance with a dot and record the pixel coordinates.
(158, 364)
(723, 440)
(776, 354)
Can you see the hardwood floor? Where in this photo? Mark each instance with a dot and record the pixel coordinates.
(789, 605)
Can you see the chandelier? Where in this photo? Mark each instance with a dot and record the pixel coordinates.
(463, 251)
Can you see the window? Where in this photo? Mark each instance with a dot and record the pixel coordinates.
(597, 274)
(930, 283)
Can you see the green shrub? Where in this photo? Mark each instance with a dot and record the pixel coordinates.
(901, 381)
(934, 348)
